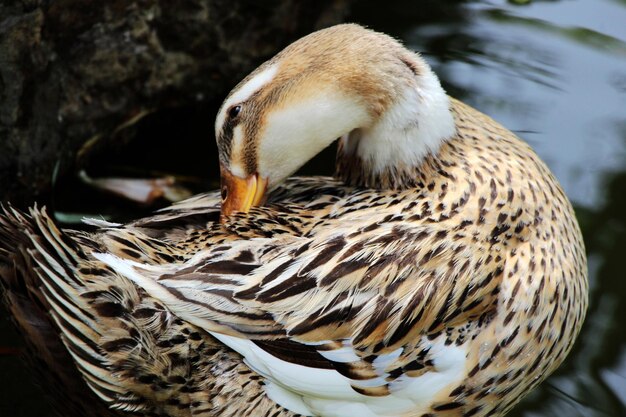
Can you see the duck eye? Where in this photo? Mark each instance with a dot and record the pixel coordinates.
(234, 111)
(224, 192)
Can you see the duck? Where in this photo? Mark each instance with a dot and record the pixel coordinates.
(440, 272)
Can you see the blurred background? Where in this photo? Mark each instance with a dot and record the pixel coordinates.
(552, 71)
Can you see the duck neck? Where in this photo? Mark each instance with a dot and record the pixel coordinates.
(389, 154)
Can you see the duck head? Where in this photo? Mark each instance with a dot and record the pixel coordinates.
(347, 82)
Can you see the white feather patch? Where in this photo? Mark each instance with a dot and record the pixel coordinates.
(449, 362)
(296, 133)
(236, 156)
(307, 381)
(244, 92)
(100, 223)
(287, 399)
(416, 125)
(327, 393)
(383, 361)
(344, 355)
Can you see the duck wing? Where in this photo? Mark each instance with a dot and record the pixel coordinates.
(354, 312)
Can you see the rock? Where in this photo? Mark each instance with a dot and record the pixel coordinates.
(72, 73)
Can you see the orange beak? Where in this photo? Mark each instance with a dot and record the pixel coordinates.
(240, 194)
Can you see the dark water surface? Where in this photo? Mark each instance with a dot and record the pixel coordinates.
(552, 71)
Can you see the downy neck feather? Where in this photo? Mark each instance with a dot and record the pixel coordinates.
(387, 154)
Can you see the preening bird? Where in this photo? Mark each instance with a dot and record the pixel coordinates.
(441, 272)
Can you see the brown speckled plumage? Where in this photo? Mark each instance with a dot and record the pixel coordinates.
(475, 253)
(160, 365)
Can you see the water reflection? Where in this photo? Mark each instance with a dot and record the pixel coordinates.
(554, 72)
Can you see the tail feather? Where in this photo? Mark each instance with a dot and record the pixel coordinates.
(56, 261)
(109, 348)
(46, 354)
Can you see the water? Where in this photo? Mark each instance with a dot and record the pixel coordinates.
(555, 73)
